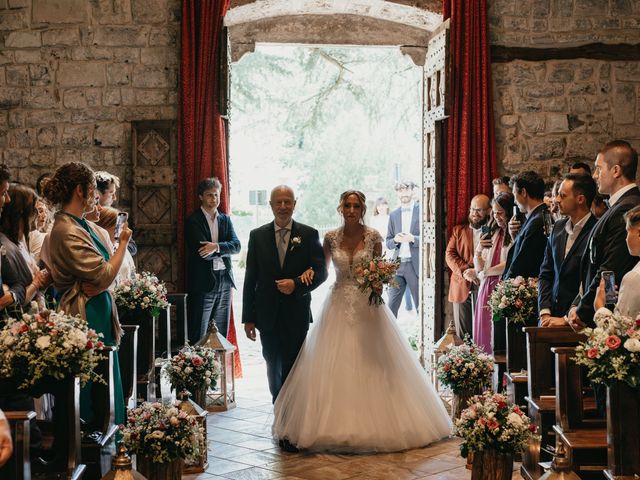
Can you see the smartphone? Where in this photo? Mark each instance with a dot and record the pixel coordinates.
(610, 294)
(120, 221)
(516, 212)
(548, 222)
(485, 231)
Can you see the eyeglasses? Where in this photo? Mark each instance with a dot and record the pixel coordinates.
(478, 210)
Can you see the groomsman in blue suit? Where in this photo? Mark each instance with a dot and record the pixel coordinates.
(559, 280)
(210, 240)
(403, 237)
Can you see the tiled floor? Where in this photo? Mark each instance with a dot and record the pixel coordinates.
(241, 448)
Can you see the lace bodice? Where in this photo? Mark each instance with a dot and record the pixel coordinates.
(341, 258)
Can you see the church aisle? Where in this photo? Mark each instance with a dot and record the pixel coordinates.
(241, 448)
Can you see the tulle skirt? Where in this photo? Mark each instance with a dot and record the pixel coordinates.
(357, 386)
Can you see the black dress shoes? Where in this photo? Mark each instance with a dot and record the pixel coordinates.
(287, 446)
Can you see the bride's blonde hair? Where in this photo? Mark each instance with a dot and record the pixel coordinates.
(361, 198)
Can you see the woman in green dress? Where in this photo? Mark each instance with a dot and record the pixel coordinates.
(82, 266)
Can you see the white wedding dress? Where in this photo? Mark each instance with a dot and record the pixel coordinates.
(356, 385)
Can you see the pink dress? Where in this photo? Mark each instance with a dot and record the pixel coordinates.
(482, 322)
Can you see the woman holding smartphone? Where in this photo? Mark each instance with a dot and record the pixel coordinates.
(628, 299)
(113, 221)
(489, 261)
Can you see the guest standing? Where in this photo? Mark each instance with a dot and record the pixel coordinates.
(489, 261)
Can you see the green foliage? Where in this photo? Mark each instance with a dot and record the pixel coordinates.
(325, 119)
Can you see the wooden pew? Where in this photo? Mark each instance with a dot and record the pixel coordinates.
(19, 465)
(583, 434)
(99, 436)
(515, 376)
(541, 390)
(128, 352)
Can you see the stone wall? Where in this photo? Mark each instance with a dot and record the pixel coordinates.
(549, 114)
(75, 73)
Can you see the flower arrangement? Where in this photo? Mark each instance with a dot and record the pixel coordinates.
(144, 292)
(48, 344)
(193, 368)
(373, 274)
(515, 299)
(490, 422)
(465, 368)
(612, 350)
(162, 433)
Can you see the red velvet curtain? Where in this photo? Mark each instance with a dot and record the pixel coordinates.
(202, 149)
(471, 147)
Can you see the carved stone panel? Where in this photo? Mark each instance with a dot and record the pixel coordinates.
(154, 150)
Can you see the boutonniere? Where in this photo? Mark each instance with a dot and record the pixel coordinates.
(295, 242)
(3, 250)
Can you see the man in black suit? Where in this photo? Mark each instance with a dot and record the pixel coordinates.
(210, 242)
(275, 300)
(525, 257)
(559, 279)
(615, 173)
(403, 237)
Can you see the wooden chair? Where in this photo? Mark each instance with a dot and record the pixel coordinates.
(583, 434)
(99, 435)
(128, 352)
(19, 465)
(541, 389)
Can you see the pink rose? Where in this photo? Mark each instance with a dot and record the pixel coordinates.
(592, 353)
(197, 361)
(613, 342)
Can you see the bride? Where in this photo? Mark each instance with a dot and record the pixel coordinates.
(356, 386)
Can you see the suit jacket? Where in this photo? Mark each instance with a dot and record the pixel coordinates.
(262, 303)
(559, 280)
(15, 271)
(459, 257)
(200, 269)
(606, 250)
(395, 226)
(527, 253)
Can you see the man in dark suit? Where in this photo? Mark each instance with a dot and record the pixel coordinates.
(525, 257)
(403, 237)
(210, 242)
(559, 279)
(275, 299)
(615, 173)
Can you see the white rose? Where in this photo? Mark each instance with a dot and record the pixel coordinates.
(188, 370)
(43, 342)
(632, 344)
(514, 419)
(9, 340)
(157, 434)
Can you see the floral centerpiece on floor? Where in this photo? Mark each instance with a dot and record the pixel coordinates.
(491, 423)
(465, 368)
(193, 368)
(373, 275)
(142, 293)
(515, 299)
(611, 352)
(48, 345)
(162, 433)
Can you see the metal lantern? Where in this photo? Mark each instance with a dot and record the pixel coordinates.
(194, 410)
(223, 396)
(440, 348)
(121, 467)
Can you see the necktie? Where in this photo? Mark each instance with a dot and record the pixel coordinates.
(282, 245)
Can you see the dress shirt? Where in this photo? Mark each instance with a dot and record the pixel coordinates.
(407, 215)
(218, 264)
(616, 196)
(628, 298)
(574, 231)
(477, 233)
(286, 235)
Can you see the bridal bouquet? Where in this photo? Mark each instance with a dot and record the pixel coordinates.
(373, 274)
(162, 433)
(144, 292)
(515, 299)
(465, 368)
(193, 368)
(612, 350)
(48, 345)
(490, 422)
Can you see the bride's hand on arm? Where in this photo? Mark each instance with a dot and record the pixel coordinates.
(307, 277)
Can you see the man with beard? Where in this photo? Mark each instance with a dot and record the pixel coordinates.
(463, 287)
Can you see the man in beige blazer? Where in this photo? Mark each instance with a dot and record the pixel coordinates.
(463, 286)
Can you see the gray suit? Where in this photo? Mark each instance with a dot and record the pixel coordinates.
(408, 274)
